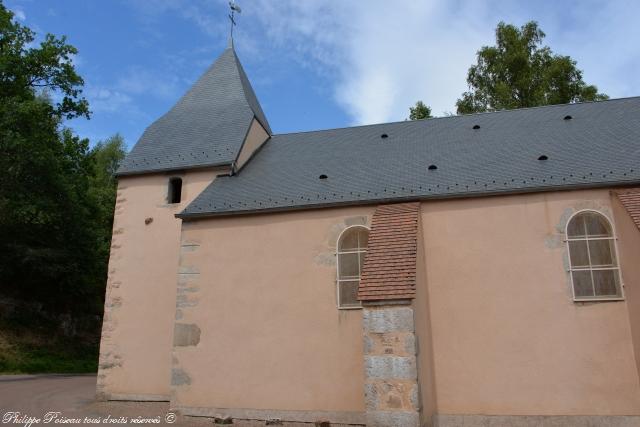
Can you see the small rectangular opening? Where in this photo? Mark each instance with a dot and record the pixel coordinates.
(175, 190)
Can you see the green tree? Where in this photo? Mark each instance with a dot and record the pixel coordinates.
(49, 218)
(419, 111)
(106, 157)
(520, 72)
(25, 69)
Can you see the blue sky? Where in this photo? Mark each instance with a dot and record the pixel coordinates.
(317, 64)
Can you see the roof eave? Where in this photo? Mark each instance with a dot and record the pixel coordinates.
(200, 215)
(173, 169)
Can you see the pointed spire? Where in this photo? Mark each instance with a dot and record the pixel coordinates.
(206, 127)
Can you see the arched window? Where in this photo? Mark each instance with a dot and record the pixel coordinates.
(592, 256)
(352, 245)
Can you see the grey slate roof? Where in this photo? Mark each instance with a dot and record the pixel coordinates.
(599, 146)
(205, 128)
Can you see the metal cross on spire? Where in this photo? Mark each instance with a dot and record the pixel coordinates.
(234, 8)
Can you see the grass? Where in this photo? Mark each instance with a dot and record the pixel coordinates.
(30, 350)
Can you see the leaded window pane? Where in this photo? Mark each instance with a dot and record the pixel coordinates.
(582, 285)
(349, 265)
(601, 253)
(349, 241)
(576, 228)
(606, 283)
(596, 225)
(349, 293)
(579, 254)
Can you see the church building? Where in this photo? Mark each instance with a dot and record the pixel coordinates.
(474, 270)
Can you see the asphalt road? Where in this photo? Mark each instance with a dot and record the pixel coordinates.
(25, 398)
(28, 398)
(35, 394)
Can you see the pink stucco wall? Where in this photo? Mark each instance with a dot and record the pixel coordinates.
(629, 247)
(424, 335)
(507, 336)
(498, 330)
(135, 351)
(264, 299)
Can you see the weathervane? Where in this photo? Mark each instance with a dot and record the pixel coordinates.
(234, 8)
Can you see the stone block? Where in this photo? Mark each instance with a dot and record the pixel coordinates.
(187, 279)
(390, 343)
(179, 377)
(388, 319)
(355, 220)
(188, 269)
(390, 395)
(392, 418)
(186, 334)
(390, 367)
(370, 397)
(189, 248)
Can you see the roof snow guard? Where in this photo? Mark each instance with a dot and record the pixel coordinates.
(389, 269)
(205, 128)
(598, 147)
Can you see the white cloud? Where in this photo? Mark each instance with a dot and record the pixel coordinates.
(106, 100)
(201, 12)
(606, 48)
(19, 14)
(382, 56)
(388, 55)
(140, 81)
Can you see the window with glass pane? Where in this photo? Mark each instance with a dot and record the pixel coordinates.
(351, 249)
(592, 254)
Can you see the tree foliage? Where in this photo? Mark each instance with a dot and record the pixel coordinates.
(56, 195)
(419, 111)
(106, 157)
(520, 72)
(24, 68)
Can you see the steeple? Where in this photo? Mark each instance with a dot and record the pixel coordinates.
(206, 127)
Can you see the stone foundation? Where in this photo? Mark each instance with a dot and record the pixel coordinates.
(334, 418)
(391, 376)
(535, 421)
(110, 357)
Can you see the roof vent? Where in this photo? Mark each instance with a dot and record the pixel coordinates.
(543, 157)
(432, 167)
(323, 176)
(384, 136)
(567, 117)
(476, 127)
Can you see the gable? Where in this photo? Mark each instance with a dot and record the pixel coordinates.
(256, 136)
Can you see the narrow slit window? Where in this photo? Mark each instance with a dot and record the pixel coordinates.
(595, 274)
(352, 247)
(175, 190)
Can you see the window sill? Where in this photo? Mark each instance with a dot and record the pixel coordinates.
(350, 308)
(599, 299)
